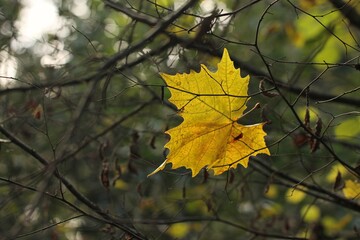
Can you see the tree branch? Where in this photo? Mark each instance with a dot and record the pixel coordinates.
(334, 198)
(158, 28)
(348, 11)
(69, 186)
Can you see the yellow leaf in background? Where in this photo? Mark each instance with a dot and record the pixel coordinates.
(310, 213)
(120, 184)
(272, 191)
(178, 230)
(294, 195)
(331, 177)
(294, 36)
(270, 209)
(309, 29)
(211, 103)
(348, 128)
(314, 113)
(307, 4)
(165, 3)
(351, 189)
(333, 225)
(181, 29)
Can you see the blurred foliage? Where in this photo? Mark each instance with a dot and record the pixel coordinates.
(84, 111)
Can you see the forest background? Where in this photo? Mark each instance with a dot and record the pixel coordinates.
(84, 113)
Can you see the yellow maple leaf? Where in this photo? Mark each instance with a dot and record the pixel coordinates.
(351, 189)
(210, 104)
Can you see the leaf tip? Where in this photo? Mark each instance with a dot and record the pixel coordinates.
(225, 55)
(161, 167)
(225, 52)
